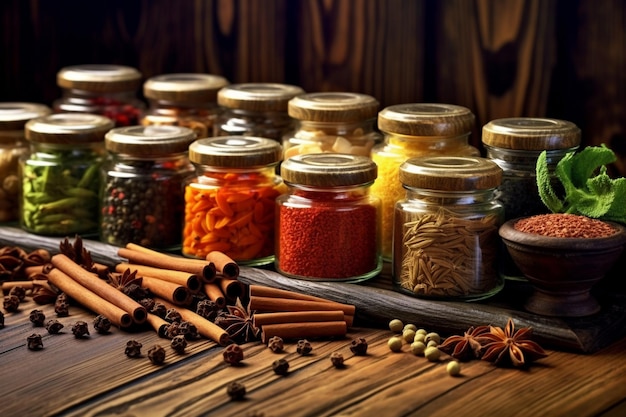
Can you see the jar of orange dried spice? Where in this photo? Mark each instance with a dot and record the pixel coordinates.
(229, 203)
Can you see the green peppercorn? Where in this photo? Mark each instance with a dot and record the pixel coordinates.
(408, 335)
(418, 348)
(420, 337)
(410, 326)
(396, 325)
(432, 343)
(432, 353)
(453, 368)
(421, 331)
(433, 336)
(395, 344)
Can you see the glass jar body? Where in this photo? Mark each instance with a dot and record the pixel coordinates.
(265, 124)
(328, 233)
(389, 155)
(446, 244)
(142, 200)
(354, 138)
(124, 108)
(199, 117)
(59, 189)
(13, 146)
(231, 210)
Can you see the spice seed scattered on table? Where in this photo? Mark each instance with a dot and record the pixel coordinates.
(80, 329)
(54, 326)
(34, 342)
(233, 354)
(358, 346)
(37, 317)
(236, 390)
(280, 366)
(337, 359)
(156, 354)
(133, 349)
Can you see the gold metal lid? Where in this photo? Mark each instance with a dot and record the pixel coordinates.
(99, 78)
(328, 169)
(426, 119)
(184, 87)
(146, 141)
(14, 115)
(258, 96)
(68, 128)
(531, 134)
(450, 173)
(333, 107)
(235, 152)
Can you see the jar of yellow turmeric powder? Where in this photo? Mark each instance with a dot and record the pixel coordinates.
(229, 202)
(411, 130)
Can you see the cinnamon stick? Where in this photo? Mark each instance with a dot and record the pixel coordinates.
(189, 280)
(27, 285)
(263, 319)
(215, 294)
(158, 324)
(224, 264)
(89, 299)
(304, 330)
(174, 293)
(270, 304)
(264, 291)
(140, 255)
(205, 327)
(91, 281)
(231, 288)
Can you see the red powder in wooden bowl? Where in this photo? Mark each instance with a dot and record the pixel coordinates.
(565, 225)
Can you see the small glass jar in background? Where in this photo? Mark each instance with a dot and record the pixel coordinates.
(60, 174)
(332, 122)
(230, 200)
(256, 109)
(411, 130)
(328, 222)
(142, 183)
(186, 99)
(107, 90)
(446, 239)
(13, 145)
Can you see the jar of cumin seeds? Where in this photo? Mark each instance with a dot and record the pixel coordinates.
(108, 90)
(60, 175)
(256, 109)
(328, 222)
(142, 185)
(411, 130)
(13, 145)
(446, 228)
(186, 99)
(229, 201)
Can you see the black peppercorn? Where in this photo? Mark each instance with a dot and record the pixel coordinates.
(159, 309)
(276, 344)
(172, 330)
(236, 390)
(337, 359)
(37, 317)
(19, 292)
(189, 330)
(207, 309)
(62, 305)
(133, 349)
(11, 303)
(80, 329)
(359, 346)
(172, 315)
(178, 344)
(280, 366)
(54, 326)
(147, 303)
(101, 324)
(304, 347)
(233, 354)
(156, 354)
(34, 342)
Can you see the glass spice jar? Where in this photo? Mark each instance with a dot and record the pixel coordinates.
(412, 130)
(60, 175)
(445, 233)
(328, 222)
(13, 145)
(256, 109)
(141, 194)
(229, 202)
(186, 99)
(108, 90)
(332, 122)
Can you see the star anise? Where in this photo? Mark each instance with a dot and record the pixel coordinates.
(128, 283)
(77, 253)
(238, 323)
(464, 347)
(510, 346)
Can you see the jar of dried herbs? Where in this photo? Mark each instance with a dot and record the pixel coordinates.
(142, 189)
(332, 122)
(60, 174)
(13, 145)
(328, 222)
(229, 201)
(446, 228)
(256, 109)
(411, 130)
(185, 99)
(108, 90)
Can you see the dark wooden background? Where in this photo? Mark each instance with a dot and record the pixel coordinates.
(501, 58)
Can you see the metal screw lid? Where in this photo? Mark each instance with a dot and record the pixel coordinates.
(531, 134)
(450, 173)
(68, 128)
(235, 152)
(258, 96)
(99, 78)
(14, 115)
(426, 119)
(184, 87)
(328, 169)
(147, 141)
(333, 107)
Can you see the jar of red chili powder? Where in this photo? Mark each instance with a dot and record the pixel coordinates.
(142, 189)
(256, 109)
(412, 130)
(332, 122)
(187, 99)
(445, 233)
(60, 175)
(328, 223)
(108, 90)
(229, 202)
(13, 145)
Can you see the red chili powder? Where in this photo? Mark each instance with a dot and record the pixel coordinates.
(565, 225)
(324, 242)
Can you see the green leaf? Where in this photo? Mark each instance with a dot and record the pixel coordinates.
(617, 212)
(597, 197)
(586, 162)
(544, 184)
